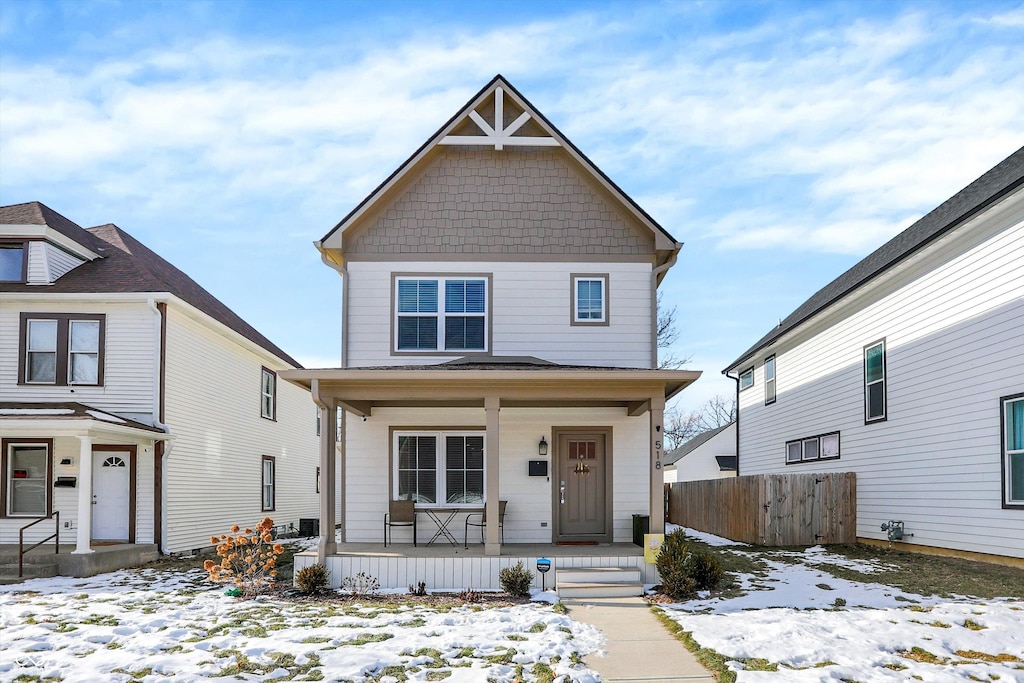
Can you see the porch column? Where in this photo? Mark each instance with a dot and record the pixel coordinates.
(492, 544)
(84, 495)
(328, 494)
(657, 466)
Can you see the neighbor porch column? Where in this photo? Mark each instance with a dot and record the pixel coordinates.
(84, 495)
(492, 543)
(657, 465)
(328, 457)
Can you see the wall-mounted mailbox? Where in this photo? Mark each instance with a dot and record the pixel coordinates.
(538, 468)
(67, 462)
(65, 482)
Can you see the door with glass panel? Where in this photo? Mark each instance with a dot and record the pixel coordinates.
(582, 499)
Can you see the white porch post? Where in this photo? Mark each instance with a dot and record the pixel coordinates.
(84, 495)
(492, 544)
(328, 494)
(657, 466)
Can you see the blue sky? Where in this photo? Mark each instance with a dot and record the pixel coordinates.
(780, 141)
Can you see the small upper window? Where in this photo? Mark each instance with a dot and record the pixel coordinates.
(268, 397)
(1013, 451)
(769, 380)
(874, 382)
(590, 299)
(63, 349)
(13, 265)
(746, 379)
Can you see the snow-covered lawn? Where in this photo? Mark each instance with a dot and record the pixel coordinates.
(160, 625)
(812, 626)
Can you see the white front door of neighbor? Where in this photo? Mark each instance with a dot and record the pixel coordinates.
(111, 479)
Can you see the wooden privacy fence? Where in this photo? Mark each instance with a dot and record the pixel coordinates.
(770, 509)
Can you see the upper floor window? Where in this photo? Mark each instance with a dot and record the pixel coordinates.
(1013, 450)
(268, 394)
(746, 379)
(13, 261)
(26, 478)
(589, 299)
(441, 313)
(439, 468)
(61, 349)
(874, 382)
(769, 380)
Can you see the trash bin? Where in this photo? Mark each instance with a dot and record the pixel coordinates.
(641, 526)
(309, 526)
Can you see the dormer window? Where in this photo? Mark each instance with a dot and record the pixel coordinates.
(13, 261)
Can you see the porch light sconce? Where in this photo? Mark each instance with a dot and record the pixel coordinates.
(542, 447)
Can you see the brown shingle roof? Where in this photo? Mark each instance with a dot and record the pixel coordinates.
(128, 266)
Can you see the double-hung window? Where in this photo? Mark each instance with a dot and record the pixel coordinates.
(769, 380)
(589, 299)
(874, 382)
(268, 483)
(268, 394)
(62, 349)
(1013, 450)
(26, 472)
(439, 468)
(441, 314)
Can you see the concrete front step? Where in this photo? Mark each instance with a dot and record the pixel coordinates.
(580, 589)
(598, 582)
(33, 570)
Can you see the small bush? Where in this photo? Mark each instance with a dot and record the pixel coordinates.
(361, 584)
(313, 580)
(675, 580)
(248, 558)
(516, 580)
(705, 569)
(469, 595)
(419, 589)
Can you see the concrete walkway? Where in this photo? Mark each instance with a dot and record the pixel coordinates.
(640, 649)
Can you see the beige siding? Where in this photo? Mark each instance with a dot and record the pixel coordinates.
(531, 313)
(530, 498)
(128, 366)
(952, 322)
(213, 410)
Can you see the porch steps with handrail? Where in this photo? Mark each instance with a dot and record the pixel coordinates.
(42, 565)
(598, 582)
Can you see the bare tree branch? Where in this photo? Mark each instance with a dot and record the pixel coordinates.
(668, 333)
(681, 427)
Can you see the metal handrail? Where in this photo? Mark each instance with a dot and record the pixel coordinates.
(21, 541)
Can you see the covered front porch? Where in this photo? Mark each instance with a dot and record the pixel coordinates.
(520, 408)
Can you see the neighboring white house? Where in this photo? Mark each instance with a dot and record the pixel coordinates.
(499, 339)
(909, 370)
(132, 401)
(711, 455)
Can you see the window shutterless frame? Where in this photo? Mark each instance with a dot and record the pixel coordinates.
(589, 296)
(875, 379)
(27, 485)
(62, 349)
(13, 261)
(747, 379)
(1011, 422)
(769, 380)
(813, 448)
(439, 468)
(268, 394)
(441, 314)
(268, 483)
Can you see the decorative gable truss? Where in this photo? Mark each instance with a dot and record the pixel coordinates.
(503, 130)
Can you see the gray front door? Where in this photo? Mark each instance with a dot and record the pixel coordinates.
(581, 494)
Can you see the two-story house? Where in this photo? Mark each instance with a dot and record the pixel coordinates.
(499, 343)
(908, 370)
(134, 403)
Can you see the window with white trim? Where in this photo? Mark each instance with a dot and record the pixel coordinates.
(268, 394)
(823, 447)
(63, 349)
(1013, 450)
(440, 314)
(268, 483)
(769, 380)
(439, 468)
(746, 379)
(874, 382)
(26, 482)
(590, 299)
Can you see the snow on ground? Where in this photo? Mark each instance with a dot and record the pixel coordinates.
(149, 625)
(816, 627)
(703, 536)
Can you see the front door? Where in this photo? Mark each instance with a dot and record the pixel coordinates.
(111, 480)
(582, 487)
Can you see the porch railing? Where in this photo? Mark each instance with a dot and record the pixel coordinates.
(21, 540)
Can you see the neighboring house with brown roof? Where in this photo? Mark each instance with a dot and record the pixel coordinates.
(709, 455)
(499, 343)
(908, 369)
(124, 380)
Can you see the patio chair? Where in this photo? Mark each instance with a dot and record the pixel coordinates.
(483, 522)
(400, 513)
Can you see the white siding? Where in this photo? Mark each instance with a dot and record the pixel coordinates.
(700, 463)
(128, 364)
(38, 270)
(531, 313)
(529, 498)
(213, 410)
(60, 262)
(952, 321)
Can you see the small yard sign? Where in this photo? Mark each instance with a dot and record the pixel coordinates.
(652, 547)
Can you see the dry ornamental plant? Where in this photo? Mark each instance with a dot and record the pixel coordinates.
(248, 558)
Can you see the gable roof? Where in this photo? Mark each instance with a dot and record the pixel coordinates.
(36, 213)
(468, 117)
(1003, 179)
(130, 266)
(677, 454)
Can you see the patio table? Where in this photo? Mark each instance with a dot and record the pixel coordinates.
(442, 517)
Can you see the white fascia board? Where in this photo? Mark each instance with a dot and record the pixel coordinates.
(31, 428)
(51, 235)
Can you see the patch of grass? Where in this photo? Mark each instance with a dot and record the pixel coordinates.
(825, 587)
(894, 666)
(101, 620)
(918, 608)
(316, 639)
(939, 624)
(985, 657)
(543, 673)
(502, 657)
(516, 637)
(973, 625)
(136, 675)
(539, 627)
(839, 603)
(438, 675)
(708, 658)
(364, 638)
(559, 608)
(919, 654)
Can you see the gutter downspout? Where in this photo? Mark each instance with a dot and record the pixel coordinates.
(737, 380)
(654, 300)
(158, 319)
(343, 271)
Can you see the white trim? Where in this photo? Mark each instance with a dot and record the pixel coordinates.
(601, 280)
(51, 235)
